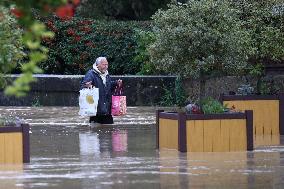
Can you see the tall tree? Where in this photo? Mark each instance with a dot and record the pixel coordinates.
(265, 20)
(200, 39)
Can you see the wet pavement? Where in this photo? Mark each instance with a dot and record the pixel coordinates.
(67, 153)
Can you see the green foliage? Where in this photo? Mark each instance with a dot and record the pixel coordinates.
(212, 106)
(203, 36)
(144, 39)
(264, 89)
(179, 93)
(168, 98)
(11, 45)
(268, 87)
(256, 70)
(9, 121)
(34, 31)
(174, 95)
(37, 53)
(148, 68)
(36, 102)
(120, 9)
(79, 42)
(265, 21)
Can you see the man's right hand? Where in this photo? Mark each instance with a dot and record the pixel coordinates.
(89, 84)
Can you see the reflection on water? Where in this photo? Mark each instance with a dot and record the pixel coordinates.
(119, 140)
(89, 144)
(257, 169)
(73, 156)
(170, 169)
(93, 144)
(8, 173)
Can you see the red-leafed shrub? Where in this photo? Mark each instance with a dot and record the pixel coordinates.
(78, 42)
(17, 13)
(65, 11)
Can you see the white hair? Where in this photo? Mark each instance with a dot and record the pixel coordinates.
(99, 60)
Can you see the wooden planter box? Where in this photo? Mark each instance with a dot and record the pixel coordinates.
(268, 111)
(14, 144)
(205, 133)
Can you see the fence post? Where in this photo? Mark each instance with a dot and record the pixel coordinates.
(249, 126)
(182, 132)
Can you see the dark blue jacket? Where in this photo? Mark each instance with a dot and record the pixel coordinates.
(105, 91)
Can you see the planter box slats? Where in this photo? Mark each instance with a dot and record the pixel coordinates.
(14, 144)
(266, 140)
(11, 147)
(216, 136)
(168, 133)
(205, 133)
(268, 111)
(266, 114)
(195, 136)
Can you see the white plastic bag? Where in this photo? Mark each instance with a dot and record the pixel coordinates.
(88, 101)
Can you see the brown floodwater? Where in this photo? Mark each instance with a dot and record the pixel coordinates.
(67, 153)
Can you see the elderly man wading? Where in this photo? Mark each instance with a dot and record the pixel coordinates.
(99, 77)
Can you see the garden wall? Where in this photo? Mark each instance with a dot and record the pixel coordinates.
(63, 90)
(216, 86)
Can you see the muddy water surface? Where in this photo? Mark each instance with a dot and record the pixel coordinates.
(67, 153)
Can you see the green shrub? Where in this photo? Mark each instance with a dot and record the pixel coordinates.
(268, 87)
(11, 46)
(144, 39)
(265, 21)
(79, 42)
(200, 37)
(180, 93)
(168, 98)
(174, 95)
(212, 106)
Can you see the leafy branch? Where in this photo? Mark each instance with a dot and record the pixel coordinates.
(34, 32)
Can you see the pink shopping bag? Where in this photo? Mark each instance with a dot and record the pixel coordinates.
(118, 107)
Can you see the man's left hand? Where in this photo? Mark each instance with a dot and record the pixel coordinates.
(119, 83)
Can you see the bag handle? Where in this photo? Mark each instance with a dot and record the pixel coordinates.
(118, 91)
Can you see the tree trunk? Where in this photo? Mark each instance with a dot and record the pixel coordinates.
(202, 81)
